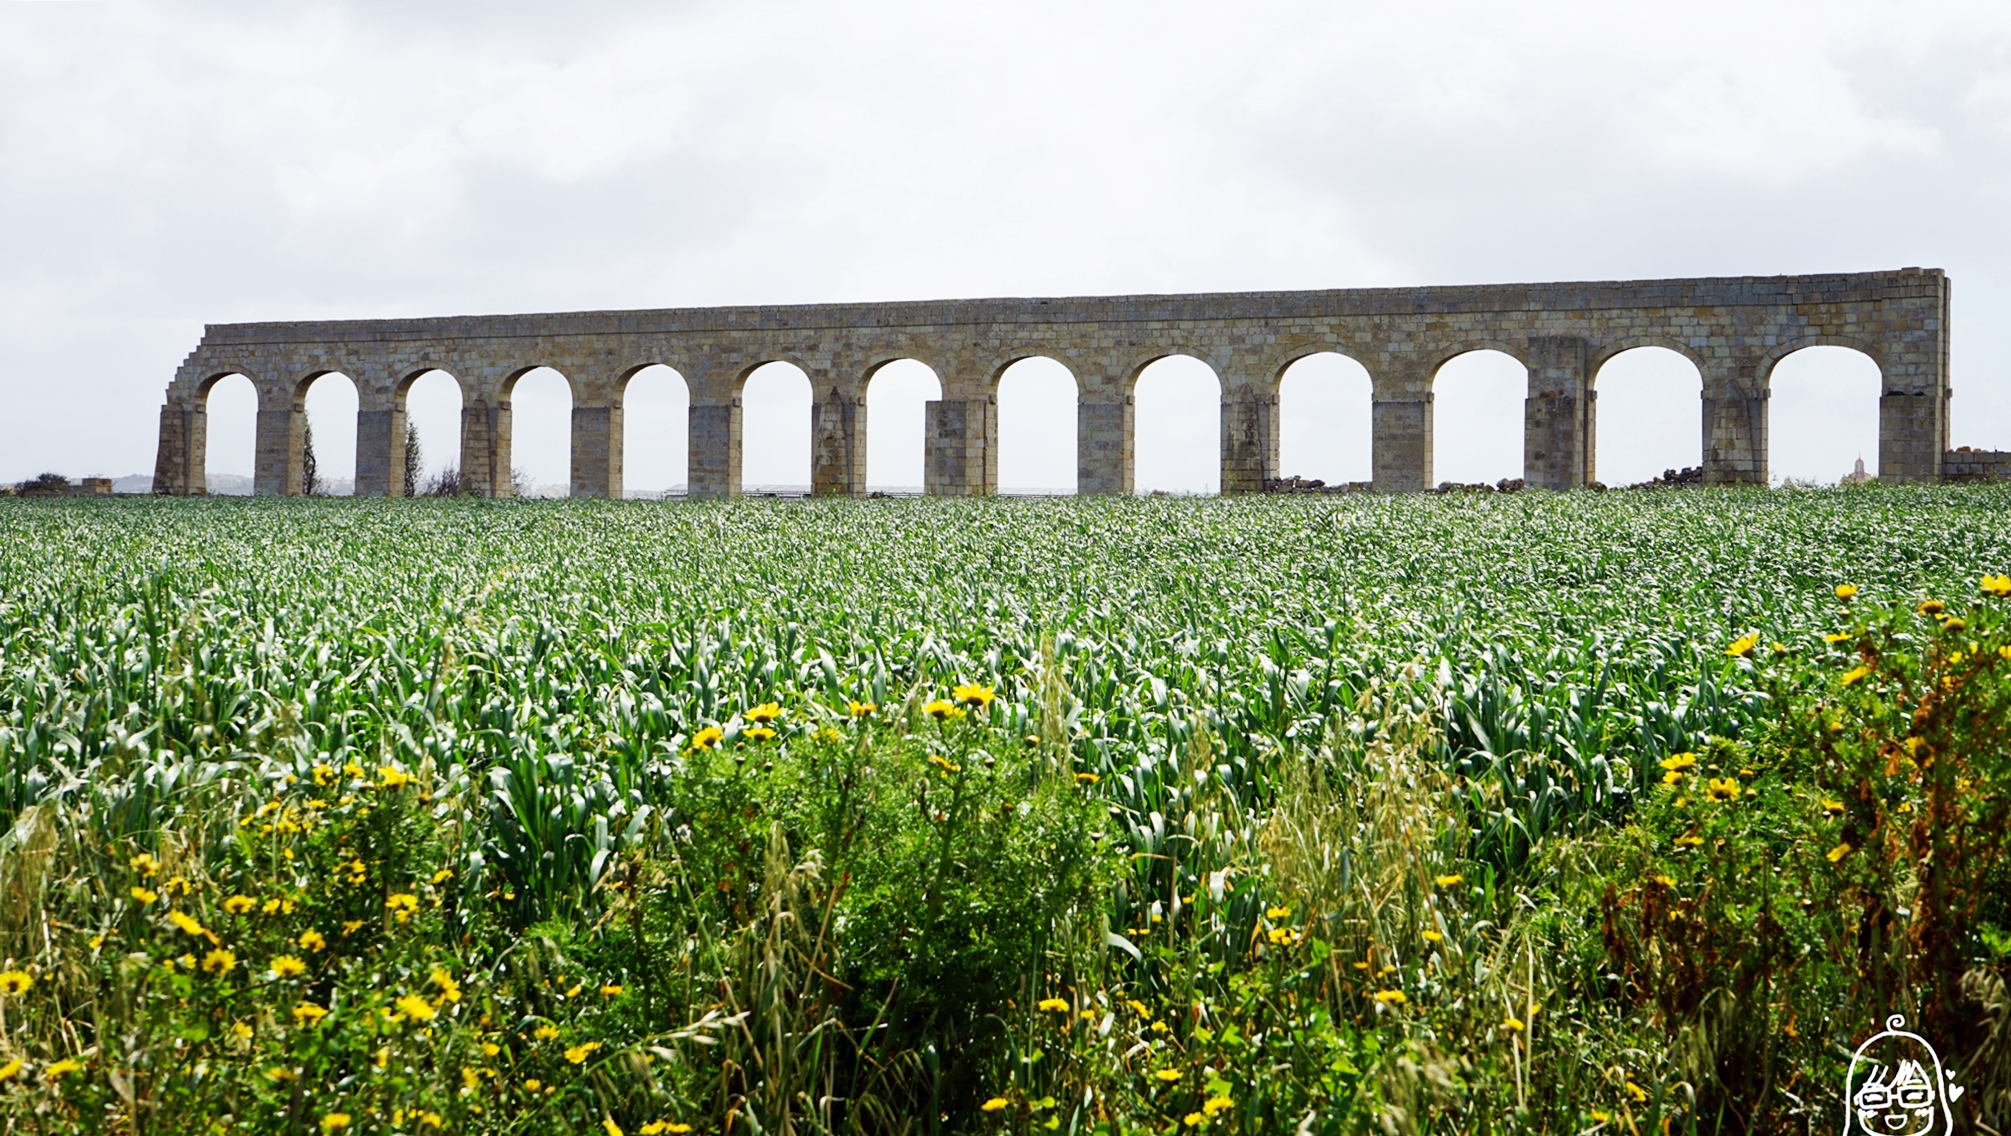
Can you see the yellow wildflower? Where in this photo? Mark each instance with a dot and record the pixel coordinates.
(1672, 777)
(219, 961)
(1690, 840)
(1453, 880)
(1056, 1005)
(442, 876)
(349, 927)
(238, 904)
(943, 710)
(1837, 853)
(1168, 1075)
(402, 906)
(545, 1032)
(1433, 937)
(1836, 637)
(391, 777)
(613, 1129)
(1833, 808)
(416, 1008)
(971, 694)
(145, 865)
(1391, 997)
(1723, 789)
(1139, 1008)
(1281, 936)
(241, 1030)
(1277, 913)
(1677, 762)
(994, 1104)
(334, 1120)
(1637, 1092)
(144, 896)
(707, 738)
(450, 990)
(312, 939)
(1214, 1105)
(766, 712)
(1931, 607)
(578, 1054)
(944, 763)
(281, 906)
(1512, 1024)
(758, 733)
(1855, 673)
(1845, 591)
(611, 991)
(16, 982)
(1997, 585)
(1743, 645)
(533, 1085)
(186, 922)
(1087, 778)
(309, 1014)
(8, 1070)
(859, 709)
(61, 1069)
(1666, 881)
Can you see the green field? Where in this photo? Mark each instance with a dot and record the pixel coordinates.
(1275, 815)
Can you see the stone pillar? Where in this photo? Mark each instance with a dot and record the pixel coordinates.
(713, 449)
(1556, 441)
(960, 443)
(183, 453)
(1105, 445)
(1735, 426)
(596, 457)
(1400, 445)
(485, 449)
(1249, 440)
(837, 442)
(1913, 408)
(380, 452)
(277, 467)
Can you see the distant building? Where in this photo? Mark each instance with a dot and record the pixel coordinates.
(1857, 476)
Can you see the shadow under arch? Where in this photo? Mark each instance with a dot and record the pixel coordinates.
(655, 404)
(1326, 402)
(1823, 404)
(1478, 394)
(775, 398)
(895, 403)
(431, 404)
(1177, 425)
(1037, 395)
(230, 414)
(1647, 415)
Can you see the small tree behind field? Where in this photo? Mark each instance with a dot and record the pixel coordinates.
(414, 456)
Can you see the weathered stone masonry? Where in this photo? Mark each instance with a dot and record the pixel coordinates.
(1733, 329)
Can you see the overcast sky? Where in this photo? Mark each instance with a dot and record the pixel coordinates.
(163, 166)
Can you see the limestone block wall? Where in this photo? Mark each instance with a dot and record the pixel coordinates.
(1976, 465)
(1733, 328)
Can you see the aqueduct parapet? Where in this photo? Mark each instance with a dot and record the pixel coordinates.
(1733, 328)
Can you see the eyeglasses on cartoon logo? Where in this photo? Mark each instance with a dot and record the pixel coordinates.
(1896, 1087)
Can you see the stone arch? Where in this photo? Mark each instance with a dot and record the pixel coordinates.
(1478, 431)
(222, 467)
(1823, 405)
(1174, 424)
(441, 428)
(336, 446)
(1647, 413)
(897, 393)
(1606, 350)
(1044, 393)
(1326, 403)
(776, 396)
(655, 436)
(540, 417)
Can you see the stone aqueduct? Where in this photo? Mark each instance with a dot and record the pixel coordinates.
(1733, 329)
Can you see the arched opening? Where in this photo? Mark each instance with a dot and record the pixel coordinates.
(1477, 414)
(1037, 439)
(541, 434)
(433, 412)
(1822, 416)
(329, 436)
(230, 451)
(775, 430)
(1648, 417)
(897, 397)
(1177, 422)
(656, 433)
(1325, 407)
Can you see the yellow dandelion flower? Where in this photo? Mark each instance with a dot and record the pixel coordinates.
(1666, 881)
(545, 1033)
(1512, 1024)
(442, 876)
(1837, 853)
(1139, 1008)
(349, 927)
(1391, 997)
(241, 1030)
(578, 1054)
(1723, 789)
(219, 961)
(1743, 645)
(61, 1069)
(1931, 607)
(766, 712)
(312, 939)
(1678, 762)
(971, 694)
(145, 865)
(707, 738)
(1836, 637)
(608, 1124)
(994, 1104)
(1833, 808)
(1277, 913)
(533, 1084)
(1281, 936)
(16, 982)
(1055, 1005)
(1845, 591)
(943, 710)
(611, 991)
(1999, 586)
(1167, 1075)
(402, 906)
(859, 709)
(391, 777)
(1087, 778)
(1433, 937)
(758, 733)
(239, 904)
(1672, 777)
(1637, 1092)
(309, 1014)
(144, 896)
(1453, 880)
(416, 1008)
(8, 1070)
(450, 990)
(334, 1121)
(1855, 673)
(1193, 1119)
(186, 922)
